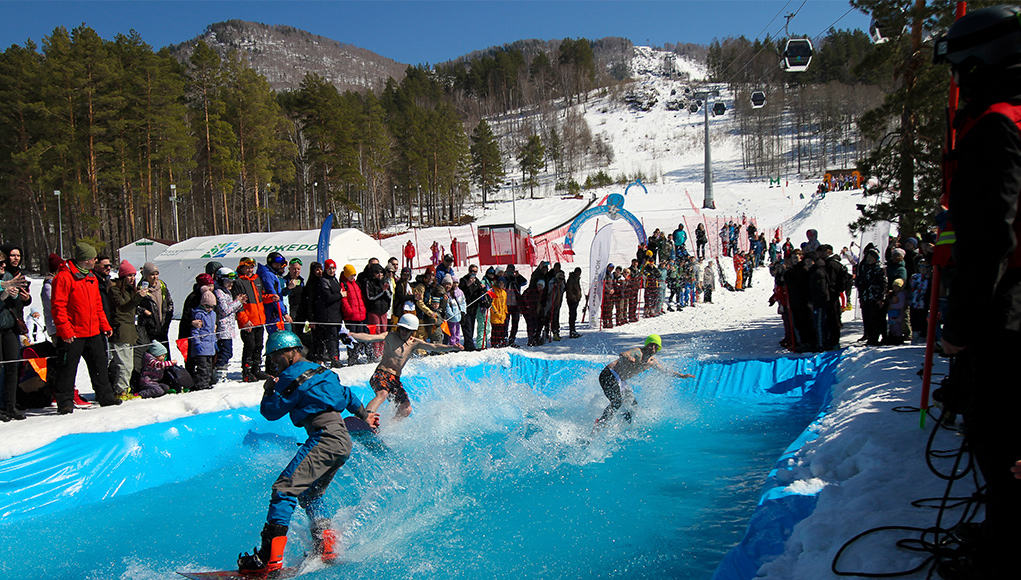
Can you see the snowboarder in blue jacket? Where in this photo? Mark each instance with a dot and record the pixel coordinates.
(314, 398)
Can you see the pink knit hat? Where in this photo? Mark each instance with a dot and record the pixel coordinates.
(126, 269)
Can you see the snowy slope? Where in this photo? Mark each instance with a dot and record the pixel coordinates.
(867, 460)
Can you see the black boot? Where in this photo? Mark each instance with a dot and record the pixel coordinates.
(268, 559)
(11, 407)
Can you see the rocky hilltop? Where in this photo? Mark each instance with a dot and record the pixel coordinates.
(283, 54)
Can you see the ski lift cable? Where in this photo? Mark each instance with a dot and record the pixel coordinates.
(832, 24)
(778, 13)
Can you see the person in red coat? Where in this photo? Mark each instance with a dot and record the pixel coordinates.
(352, 307)
(78, 315)
(409, 255)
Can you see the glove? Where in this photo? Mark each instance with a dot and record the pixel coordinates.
(345, 337)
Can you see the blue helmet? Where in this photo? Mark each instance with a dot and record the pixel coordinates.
(282, 340)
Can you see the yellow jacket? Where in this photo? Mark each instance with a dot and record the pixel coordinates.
(498, 311)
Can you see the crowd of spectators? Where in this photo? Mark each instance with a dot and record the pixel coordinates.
(120, 324)
(119, 319)
(662, 277)
(812, 286)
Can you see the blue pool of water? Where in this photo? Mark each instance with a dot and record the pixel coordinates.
(497, 474)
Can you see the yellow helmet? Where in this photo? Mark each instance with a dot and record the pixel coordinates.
(656, 340)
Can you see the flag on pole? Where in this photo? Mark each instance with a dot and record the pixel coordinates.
(182, 345)
(323, 247)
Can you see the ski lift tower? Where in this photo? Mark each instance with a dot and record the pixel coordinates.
(707, 202)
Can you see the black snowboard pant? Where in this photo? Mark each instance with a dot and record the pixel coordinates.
(327, 341)
(993, 436)
(572, 315)
(513, 315)
(10, 349)
(251, 351)
(873, 318)
(617, 396)
(203, 371)
(65, 365)
(468, 328)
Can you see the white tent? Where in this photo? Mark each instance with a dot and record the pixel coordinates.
(140, 252)
(181, 263)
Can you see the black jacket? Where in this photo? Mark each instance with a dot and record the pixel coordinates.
(375, 292)
(309, 297)
(985, 294)
(295, 302)
(472, 288)
(574, 288)
(327, 307)
(837, 277)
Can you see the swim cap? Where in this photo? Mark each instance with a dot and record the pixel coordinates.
(656, 340)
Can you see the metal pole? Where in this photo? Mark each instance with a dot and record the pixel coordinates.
(514, 209)
(60, 222)
(708, 202)
(173, 201)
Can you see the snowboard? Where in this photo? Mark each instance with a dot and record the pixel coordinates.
(289, 572)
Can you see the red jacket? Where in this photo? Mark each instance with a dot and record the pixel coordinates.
(409, 251)
(252, 312)
(77, 307)
(352, 304)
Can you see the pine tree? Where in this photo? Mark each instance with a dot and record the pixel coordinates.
(260, 127)
(530, 159)
(216, 163)
(907, 160)
(486, 163)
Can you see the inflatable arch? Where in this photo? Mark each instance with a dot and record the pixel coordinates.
(637, 182)
(614, 208)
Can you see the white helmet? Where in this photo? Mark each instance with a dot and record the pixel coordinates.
(409, 321)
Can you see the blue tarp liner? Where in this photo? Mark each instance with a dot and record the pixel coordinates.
(91, 467)
(779, 509)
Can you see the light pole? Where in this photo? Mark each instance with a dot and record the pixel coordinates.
(315, 209)
(60, 222)
(514, 210)
(269, 210)
(173, 201)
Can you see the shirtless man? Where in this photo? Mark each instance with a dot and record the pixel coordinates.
(630, 364)
(397, 349)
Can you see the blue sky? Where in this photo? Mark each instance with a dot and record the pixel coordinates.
(434, 31)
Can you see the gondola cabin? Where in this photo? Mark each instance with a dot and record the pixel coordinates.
(797, 55)
(758, 99)
(719, 109)
(882, 29)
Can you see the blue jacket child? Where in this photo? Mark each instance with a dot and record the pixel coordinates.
(202, 343)
(203, 339)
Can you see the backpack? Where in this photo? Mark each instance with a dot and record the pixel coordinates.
(178, 378)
